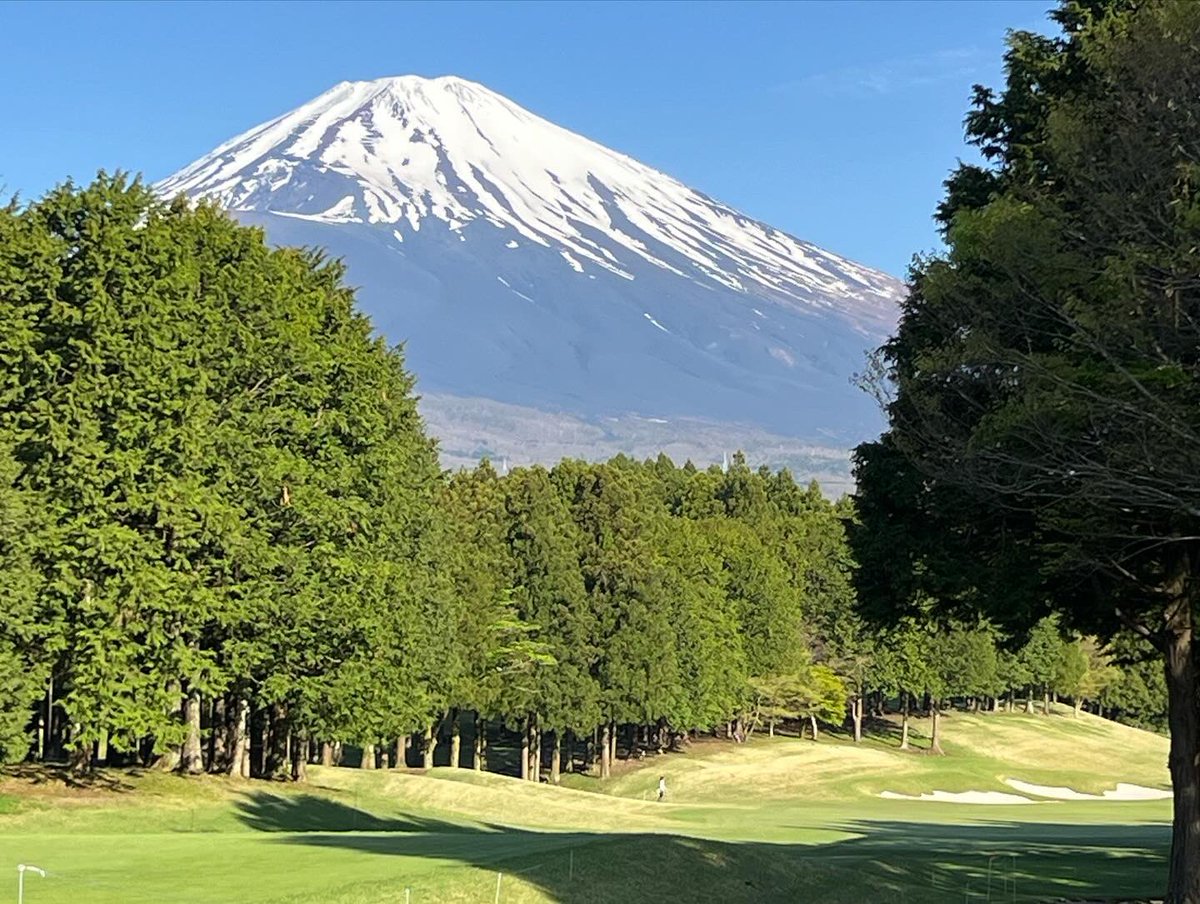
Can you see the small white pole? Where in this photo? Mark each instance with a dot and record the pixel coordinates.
(407, 894)
(499, 876)
(21, 867)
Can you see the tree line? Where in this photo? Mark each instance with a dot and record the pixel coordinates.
(226, 544)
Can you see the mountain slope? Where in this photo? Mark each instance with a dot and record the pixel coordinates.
(526, 265)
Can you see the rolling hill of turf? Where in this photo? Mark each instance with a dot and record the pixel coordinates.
(771, 820)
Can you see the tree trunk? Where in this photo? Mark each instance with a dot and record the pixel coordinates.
(525, 729)
(612, 739)
(218, 752)
(102, 748)
(857, 714)
(368, 757)
(277, 743)
(260, 741)
(192, 759)
(399, 754)
(1183, 716)
(1078, 706)
(533, 750)
(771, 727)
(428, 745)
(904, 721)
(455, 739)
(1029, 703)
(537, 754)
(48, 750)
(556, 759)
(80, 761)
(239, 740)
(407, 741)
(813, 723)
(935, 742)
(605, 753)
(326, 754)
(300, 757)
(569, 744)
(168, 760)
(480, 740)
(1045, 703)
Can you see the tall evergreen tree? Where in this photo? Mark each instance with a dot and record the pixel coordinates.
(1041, 453)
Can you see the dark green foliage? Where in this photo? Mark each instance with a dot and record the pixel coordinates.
(231, 469)
(1043, 450)
(550, 598)
(225, 542)
(22, 653)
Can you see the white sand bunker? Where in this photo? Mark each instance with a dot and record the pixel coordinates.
(1123, 791)
(962, 797)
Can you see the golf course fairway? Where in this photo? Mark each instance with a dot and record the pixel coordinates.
(774, 819)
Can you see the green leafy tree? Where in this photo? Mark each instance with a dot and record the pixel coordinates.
(903, 667)
(22, 636)
(550, 598)
(1042, 388)
(232, 474)
(708, 643)
(1098, 673)
(1042, 657)
(816, 693)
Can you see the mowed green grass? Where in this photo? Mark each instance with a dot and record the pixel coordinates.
(771, 820)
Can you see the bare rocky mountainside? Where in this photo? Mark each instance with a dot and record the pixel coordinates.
(556, 297)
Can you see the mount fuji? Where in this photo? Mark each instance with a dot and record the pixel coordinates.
(554, 296)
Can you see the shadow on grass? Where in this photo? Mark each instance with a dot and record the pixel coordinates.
(877, 861)
(54, 774)
(302, 813)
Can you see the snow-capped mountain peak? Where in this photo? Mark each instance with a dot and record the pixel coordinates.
(408, 150)
(526, 264)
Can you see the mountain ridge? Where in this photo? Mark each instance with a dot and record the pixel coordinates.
(524, 263)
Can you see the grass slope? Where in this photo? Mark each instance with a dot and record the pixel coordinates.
(771, 820)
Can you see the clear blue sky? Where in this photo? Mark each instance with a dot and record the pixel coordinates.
(834, 121)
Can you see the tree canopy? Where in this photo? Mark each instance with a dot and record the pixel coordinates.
(1042, 389)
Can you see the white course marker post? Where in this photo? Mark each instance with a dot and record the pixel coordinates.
(499, 876)
(21, 868)
(407, 895)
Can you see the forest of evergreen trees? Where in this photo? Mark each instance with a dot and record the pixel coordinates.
(226, 545)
